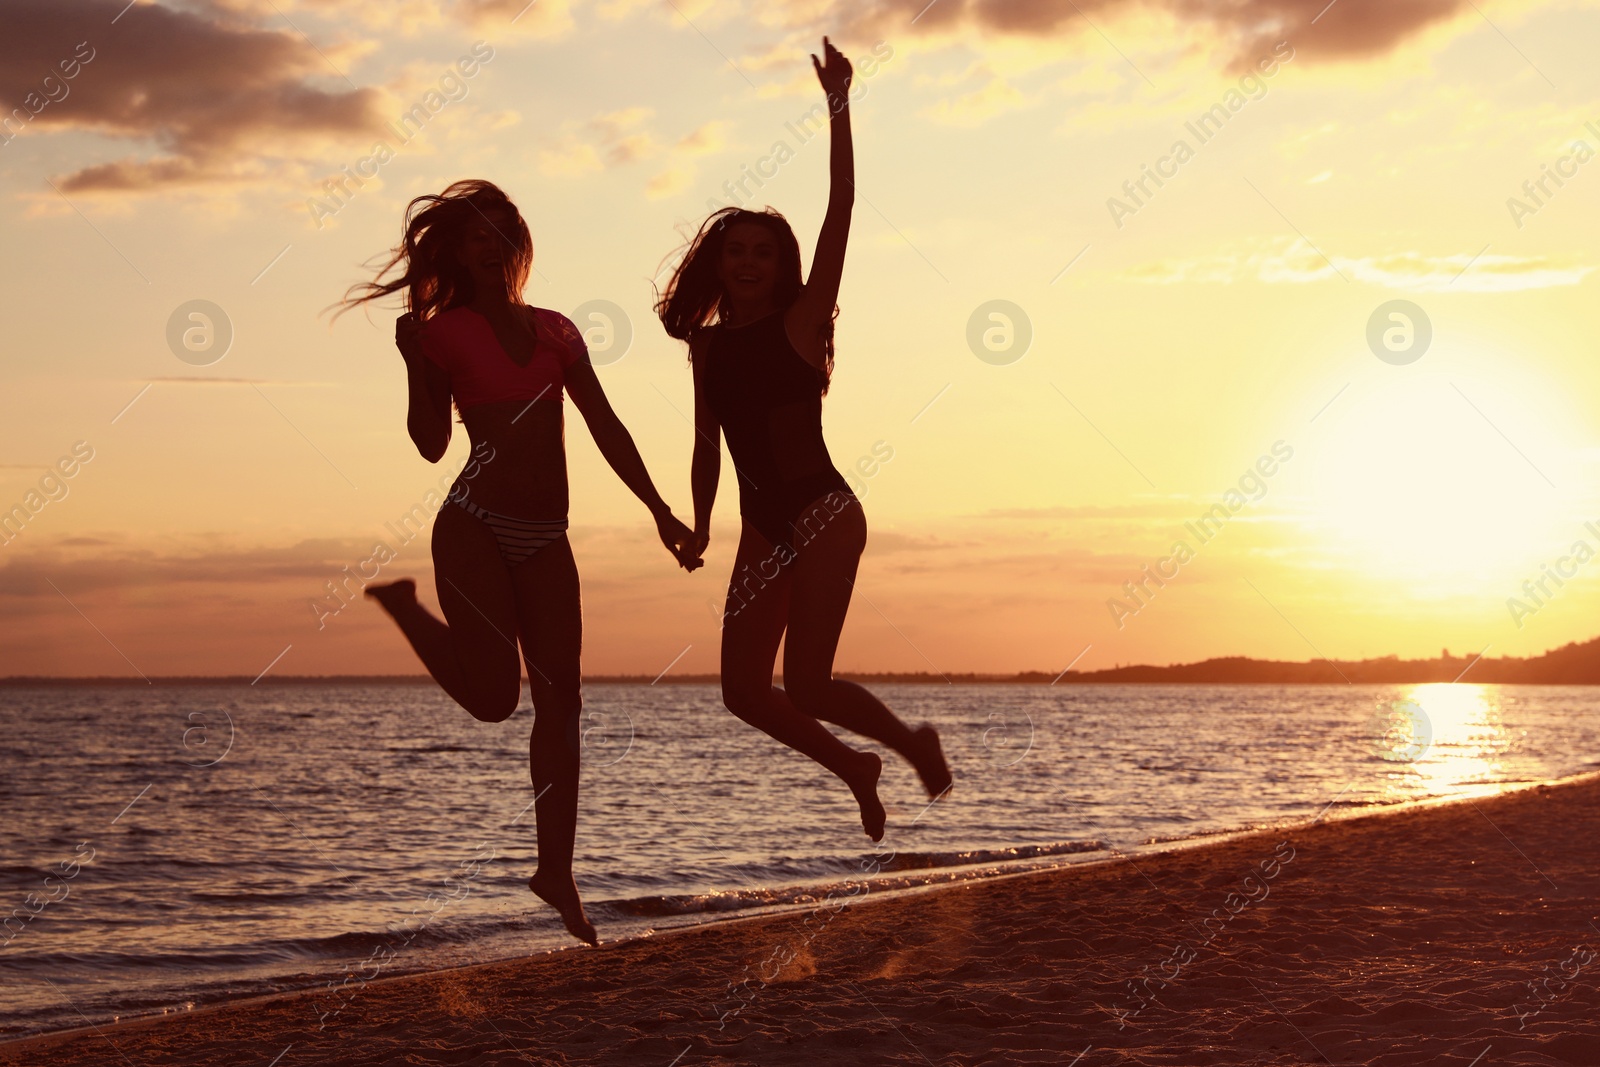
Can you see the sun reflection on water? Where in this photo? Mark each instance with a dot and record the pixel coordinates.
(1442, 738)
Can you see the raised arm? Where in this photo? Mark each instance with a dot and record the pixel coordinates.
(706, 467)
(812, 313)
(428, 412)
(616, 445)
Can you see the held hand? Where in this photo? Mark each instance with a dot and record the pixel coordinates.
(698, 543)
(408, 335)
(677, 537)
(834, 74)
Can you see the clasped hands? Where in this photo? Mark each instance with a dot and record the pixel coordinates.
(686, 545)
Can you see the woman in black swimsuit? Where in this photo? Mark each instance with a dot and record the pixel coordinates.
(761, 345)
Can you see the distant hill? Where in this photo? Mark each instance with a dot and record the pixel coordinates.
(1571, 664)
(1577, 663)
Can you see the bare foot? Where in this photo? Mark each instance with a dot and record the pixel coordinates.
(562, 895)
(928, 758)
(863, 782)
(395, 595)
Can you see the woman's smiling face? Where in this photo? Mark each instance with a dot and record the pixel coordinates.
(749, 266)
(485, 248)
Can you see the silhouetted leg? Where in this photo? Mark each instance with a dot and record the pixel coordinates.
(752, 627)
(857, 710)
(550, 621)
(474, 657)
(824, 573)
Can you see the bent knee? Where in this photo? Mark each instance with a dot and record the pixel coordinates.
(492, 710)
(807, 692)
(745, 700)
(496, 706)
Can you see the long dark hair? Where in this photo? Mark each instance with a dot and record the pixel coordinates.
(696, 298)
(430, 273)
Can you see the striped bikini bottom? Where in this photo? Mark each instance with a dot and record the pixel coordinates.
(518, 538)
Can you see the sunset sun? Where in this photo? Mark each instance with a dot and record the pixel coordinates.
(1417, 480)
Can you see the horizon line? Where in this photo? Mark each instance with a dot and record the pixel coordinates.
(1024, 677)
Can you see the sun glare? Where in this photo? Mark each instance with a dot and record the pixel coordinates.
(1451, 738)
(1424, 480)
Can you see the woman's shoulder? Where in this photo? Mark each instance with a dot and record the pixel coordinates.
(558, 323)
(558, 326)
(447, 321)
(444, 335)
(550, 315)
(701, 338)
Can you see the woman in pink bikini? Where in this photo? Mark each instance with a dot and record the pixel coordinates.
(503, 567)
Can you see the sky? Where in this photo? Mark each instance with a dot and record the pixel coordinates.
(1188, 328)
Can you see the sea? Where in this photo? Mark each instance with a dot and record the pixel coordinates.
(165, 848)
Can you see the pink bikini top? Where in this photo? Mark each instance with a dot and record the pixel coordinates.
(464, 345)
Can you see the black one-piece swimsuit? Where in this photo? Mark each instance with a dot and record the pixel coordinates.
(769, 402)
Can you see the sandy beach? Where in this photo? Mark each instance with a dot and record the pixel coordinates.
(1461, 933)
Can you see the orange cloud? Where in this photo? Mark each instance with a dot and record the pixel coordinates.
(1344, 29)
(204, 92)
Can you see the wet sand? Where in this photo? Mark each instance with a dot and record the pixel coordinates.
(1465, 933)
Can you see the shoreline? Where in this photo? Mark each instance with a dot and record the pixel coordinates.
(799, 896)
(871, 943)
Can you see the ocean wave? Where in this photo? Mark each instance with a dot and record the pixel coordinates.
(911, 861)
(234, 956)
(932, 868)
(349, 946)
(253, 896)
(1199, 835)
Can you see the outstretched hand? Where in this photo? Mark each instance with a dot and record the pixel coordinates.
(679, 540)
(835, 73)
